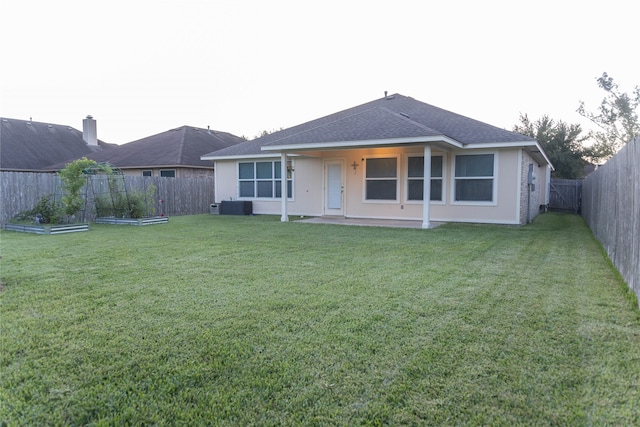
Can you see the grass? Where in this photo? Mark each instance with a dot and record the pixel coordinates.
(224, 320)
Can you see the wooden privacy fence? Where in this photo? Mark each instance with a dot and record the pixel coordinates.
(20, 191)
(180, 196)
(611, 208)
(565, 195)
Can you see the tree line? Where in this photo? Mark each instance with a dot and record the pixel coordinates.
(616, 121)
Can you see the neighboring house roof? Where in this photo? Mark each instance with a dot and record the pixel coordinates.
(180, 147)
(28, 146)
(394, 119)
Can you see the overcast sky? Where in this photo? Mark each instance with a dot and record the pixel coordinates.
(141, 67)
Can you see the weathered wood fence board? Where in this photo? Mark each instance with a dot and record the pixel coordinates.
(20, 191)
(565, 195)
(611, 208)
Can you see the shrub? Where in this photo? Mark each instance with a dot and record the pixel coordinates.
(46, 210)
(137, 205)
(104, 206)
(73, 177)
(122, 205)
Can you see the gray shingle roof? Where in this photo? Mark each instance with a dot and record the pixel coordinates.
(180, 147)
(394, 116)
(31, 146)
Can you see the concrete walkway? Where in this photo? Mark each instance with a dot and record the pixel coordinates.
(369, 222)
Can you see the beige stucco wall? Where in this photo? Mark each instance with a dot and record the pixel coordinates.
(307, 187)
(309, 179)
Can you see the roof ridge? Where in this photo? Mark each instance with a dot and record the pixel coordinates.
(181, 146)
(35, 123)
(354, 114)
(407, 117)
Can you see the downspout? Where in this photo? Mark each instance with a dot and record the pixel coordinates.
(283, 186)
(529, 203)
(530, 189)
(215, 181)
(426, 188)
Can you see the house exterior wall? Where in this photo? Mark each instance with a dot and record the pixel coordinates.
(309, 177)
(180, 172)
(539, 193)
(226, 180)
(307, 186)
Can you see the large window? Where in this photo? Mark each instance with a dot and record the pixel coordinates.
(263, 179)
(415, 180)
(168, 173)
(474, 175)
(382, 178)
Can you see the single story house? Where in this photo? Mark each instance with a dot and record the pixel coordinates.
(173, 154)
(28, 146)
(370, 161)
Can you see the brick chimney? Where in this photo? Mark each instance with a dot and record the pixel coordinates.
(90, 131)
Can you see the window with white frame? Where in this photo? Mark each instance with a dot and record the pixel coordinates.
(381, 178)
(263, 179)
(474, 176)
(415, 178)
(147, 172)
(168, 173)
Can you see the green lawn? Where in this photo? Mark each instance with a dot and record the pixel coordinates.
(224, 320)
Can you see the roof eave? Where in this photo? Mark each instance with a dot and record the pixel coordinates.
(363, 143)
(270, 150)
(532, 145)
(243, 156)
(165, 166)
(539, 151)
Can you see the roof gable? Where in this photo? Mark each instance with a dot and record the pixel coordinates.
(373, 123)
(32, 146)
(386, 119)
(179, 147)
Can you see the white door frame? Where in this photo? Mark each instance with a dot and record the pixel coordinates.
(334, 188)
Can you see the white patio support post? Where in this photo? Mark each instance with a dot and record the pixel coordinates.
(426, 190)
(283, 186)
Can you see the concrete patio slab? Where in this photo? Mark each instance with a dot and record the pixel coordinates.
(366, 222)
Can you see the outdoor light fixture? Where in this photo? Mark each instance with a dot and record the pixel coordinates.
(354, 166)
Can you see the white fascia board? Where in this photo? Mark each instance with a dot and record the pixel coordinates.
(515, 144)
(245, 156)
(492, 145)
(363, 143)
(539, 147)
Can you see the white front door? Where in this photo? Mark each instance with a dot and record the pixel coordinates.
(334, 187)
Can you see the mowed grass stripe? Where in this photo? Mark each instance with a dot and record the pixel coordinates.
(248, 321)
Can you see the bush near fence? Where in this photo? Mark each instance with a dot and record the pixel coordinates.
(611, 208)
(20, 191)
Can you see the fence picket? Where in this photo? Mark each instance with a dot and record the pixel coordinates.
(611, 208)
(565, 195)
(20, 191)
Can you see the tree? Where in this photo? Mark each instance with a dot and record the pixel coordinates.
(560, 141)
(73, 177)
(267, 132)
(617, 117)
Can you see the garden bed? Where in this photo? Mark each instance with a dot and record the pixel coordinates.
(47, 229)
(133, 221)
